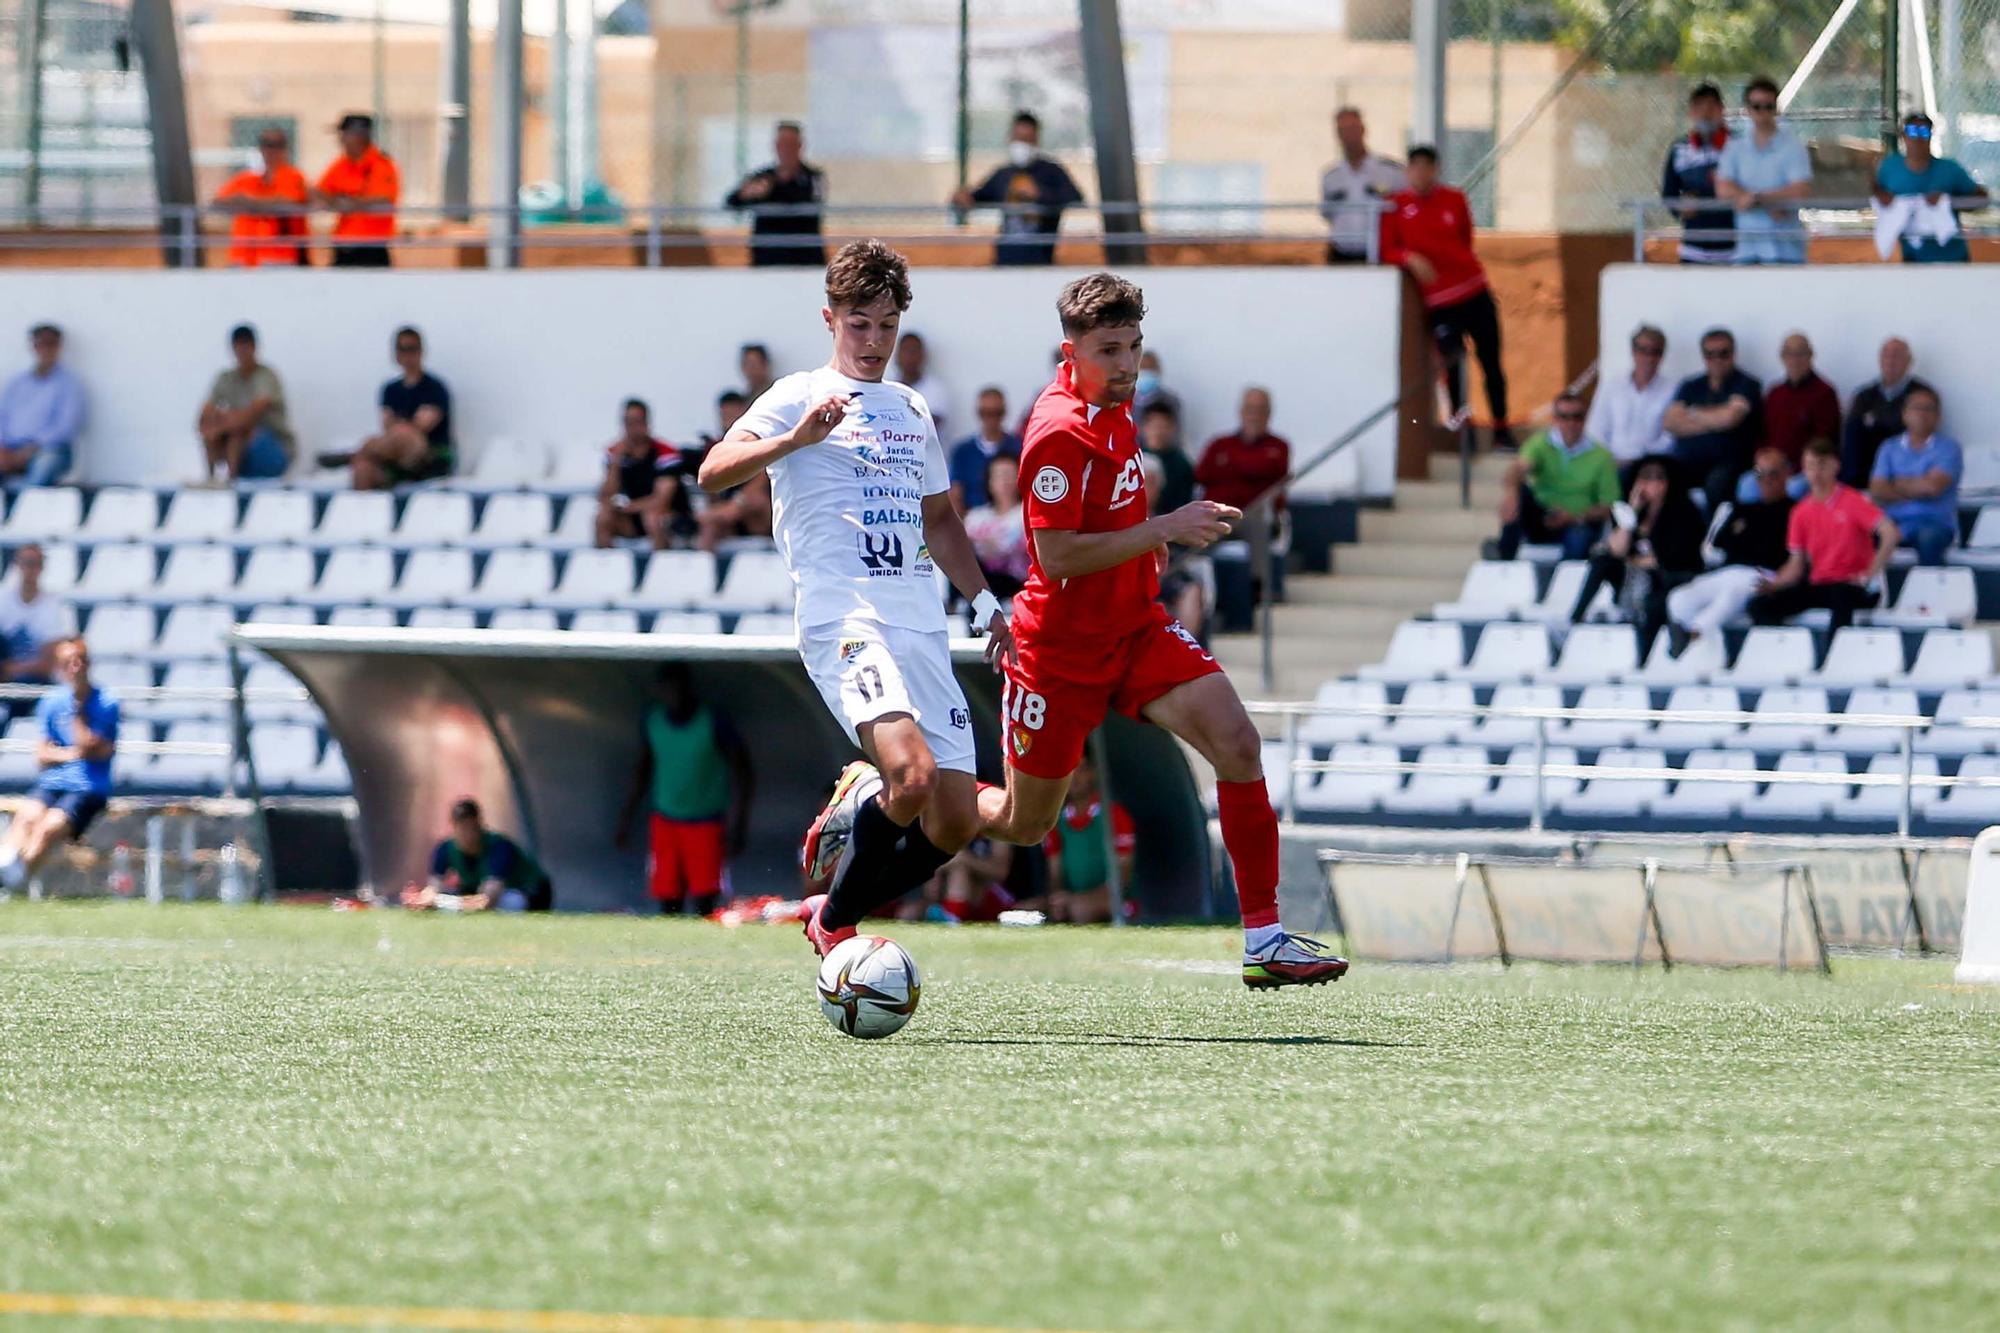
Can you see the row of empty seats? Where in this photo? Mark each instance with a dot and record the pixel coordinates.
(291, 757)
(1512, 590)
(1769, 656)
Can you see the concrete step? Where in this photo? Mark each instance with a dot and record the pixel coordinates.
(1430, 526)
(1409, 594)
(1411, 559)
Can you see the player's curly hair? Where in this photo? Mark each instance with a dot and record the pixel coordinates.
(863, 272)
(1099, 301)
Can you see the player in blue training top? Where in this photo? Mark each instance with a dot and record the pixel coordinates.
(79, 735)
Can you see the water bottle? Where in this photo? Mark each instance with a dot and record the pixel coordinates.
(230, 887)
(120, 882)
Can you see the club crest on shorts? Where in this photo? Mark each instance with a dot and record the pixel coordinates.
(1051, 485)
(1024, 740)
(849, 647)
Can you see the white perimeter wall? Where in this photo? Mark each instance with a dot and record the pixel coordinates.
(1947, 312)
(548, 355)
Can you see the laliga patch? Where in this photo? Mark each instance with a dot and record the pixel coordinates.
(1051, 485)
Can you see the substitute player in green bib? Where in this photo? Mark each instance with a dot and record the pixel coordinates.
(696, 771)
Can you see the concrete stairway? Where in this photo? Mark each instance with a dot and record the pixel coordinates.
(1408, 558)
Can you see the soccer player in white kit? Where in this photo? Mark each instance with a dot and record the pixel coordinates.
(862, 513)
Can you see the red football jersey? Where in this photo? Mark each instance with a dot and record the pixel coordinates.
(1080, 473)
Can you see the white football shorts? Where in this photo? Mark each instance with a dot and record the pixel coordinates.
(867, 670)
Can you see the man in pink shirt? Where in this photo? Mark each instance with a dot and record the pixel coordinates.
(1840, 543)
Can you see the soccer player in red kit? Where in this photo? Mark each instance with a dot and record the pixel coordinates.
(1091, 636)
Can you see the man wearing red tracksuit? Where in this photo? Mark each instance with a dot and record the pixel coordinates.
(1428, 231)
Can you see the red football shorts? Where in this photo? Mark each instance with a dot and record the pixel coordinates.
(1049, 709)
(687, 858)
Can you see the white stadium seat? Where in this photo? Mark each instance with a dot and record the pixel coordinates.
(523, 618)
(1982, 548)
(1410, 730)
(676, 579)
(281, 613)
(435, 518)
(1854, 739)
(576, 468)
(1558, 600)
(362, 617)
(354, 517)
(128, 761)
(1951, 657)
(1499, 732)
(119, 514)
(508, 463)
(443, 617)
(687, 622)
(1703, 661)
(116, 572)
(1856, 657)
(1333, 728)
(1886, 803)
(329, 775)
(602, 621)
(755, 581)
(769, 624)
(514, 576)
(1786, 735)
(43, 513)
(1945, 737)
(1679, 735)
(199, 516)
(264, 686)
(1712, 799)
(522, 519)
(1442, 786)
(276, 516)
(1799, 801)
(207, 677)
(1619, 798)
(593, 578)
(1493, 590)
(577, 528)
(126, 679)
(1505, 652)
(190, 772)
(195, 633)
(1771, 655)
(18, 768)
(1514, 793)
(356, 574)
(431, 578)
(60, 564)
(283, 753)
(1972, 805)
(1352, 792)
(275, 574)
(1589, 734)
(197, 574)
(1419, 650)
(1943, 596)
(121, 629)
(1595, 654)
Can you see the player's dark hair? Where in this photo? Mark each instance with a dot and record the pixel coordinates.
(728, 396)
(464, 808)
(1703, 91)
(1821, 447)
(1723, 334)
(1928, 392)
(1099, 301)
(1028, 118)
(1160, 408)
(791, 125)
(49, 329)
(748, 348)
(1761, 84)
(864, 272)
(639, 403)
(407, 331)
(243, 333)
(1423, 152)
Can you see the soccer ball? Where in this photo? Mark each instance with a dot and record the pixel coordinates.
(868, 986)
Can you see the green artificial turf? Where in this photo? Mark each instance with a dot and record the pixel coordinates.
(1079, 1130)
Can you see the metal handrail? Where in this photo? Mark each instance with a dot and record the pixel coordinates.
(1804, 228)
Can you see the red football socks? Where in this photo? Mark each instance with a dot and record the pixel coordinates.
(1250, 832)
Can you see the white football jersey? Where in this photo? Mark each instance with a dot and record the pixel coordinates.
(847, 513)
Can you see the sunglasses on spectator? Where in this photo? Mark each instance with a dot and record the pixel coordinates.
(1916, 131)
(1717, 353)
(1647, 349)
(1762, 106)
(402, 348)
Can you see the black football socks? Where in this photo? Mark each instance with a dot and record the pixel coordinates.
(885, 862)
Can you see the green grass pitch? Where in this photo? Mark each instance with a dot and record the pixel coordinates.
(1079, 1130)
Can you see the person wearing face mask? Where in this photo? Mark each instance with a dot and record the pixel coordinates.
(1031, 190)
(1150, 389)
(1708, 233)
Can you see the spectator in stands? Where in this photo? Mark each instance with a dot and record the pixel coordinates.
(33, 621)
(644, 492)
(1688, 182)
(1798, 409)
(1916, 479)
(729, 406)
(999, 537)
(1079, 862)
(479, 869)
(735, 515)
(1714, 419)
(1032, 191)
(913, 368)
(1747, 542)
(1560, 489)
(1626, 412)
(415, 443)
(1877, 412)
(753, 363)
(363, 187)
(1837, 545)
(1187, 584)
(1428, 232)
(79, 725)
(1762, 175)
(1352, 190)
(694, 775)
(1236, 469)
(1927, 193)
(783, 200)
(1654, 546)
(267, 227)
(41, 410)
(1151, 387)
(971, 455)
(244, 429)
(1160, 437)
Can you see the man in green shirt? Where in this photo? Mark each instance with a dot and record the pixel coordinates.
(695, 769)
(477, 869)
(1560, 489)
(245, 432)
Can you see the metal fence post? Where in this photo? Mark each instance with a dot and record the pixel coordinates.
(1537, 809)
(653, 237)
(1909, 775)
(1638, 231)
(190, 232)
(1291, 802)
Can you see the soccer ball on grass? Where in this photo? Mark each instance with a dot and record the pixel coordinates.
(868, 986)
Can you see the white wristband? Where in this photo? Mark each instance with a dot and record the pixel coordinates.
(984, 607)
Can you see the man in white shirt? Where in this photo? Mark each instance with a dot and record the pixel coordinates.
(1349, 184)
(1625, 414)
(863, 517)
(913, 368)
(32, 622)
